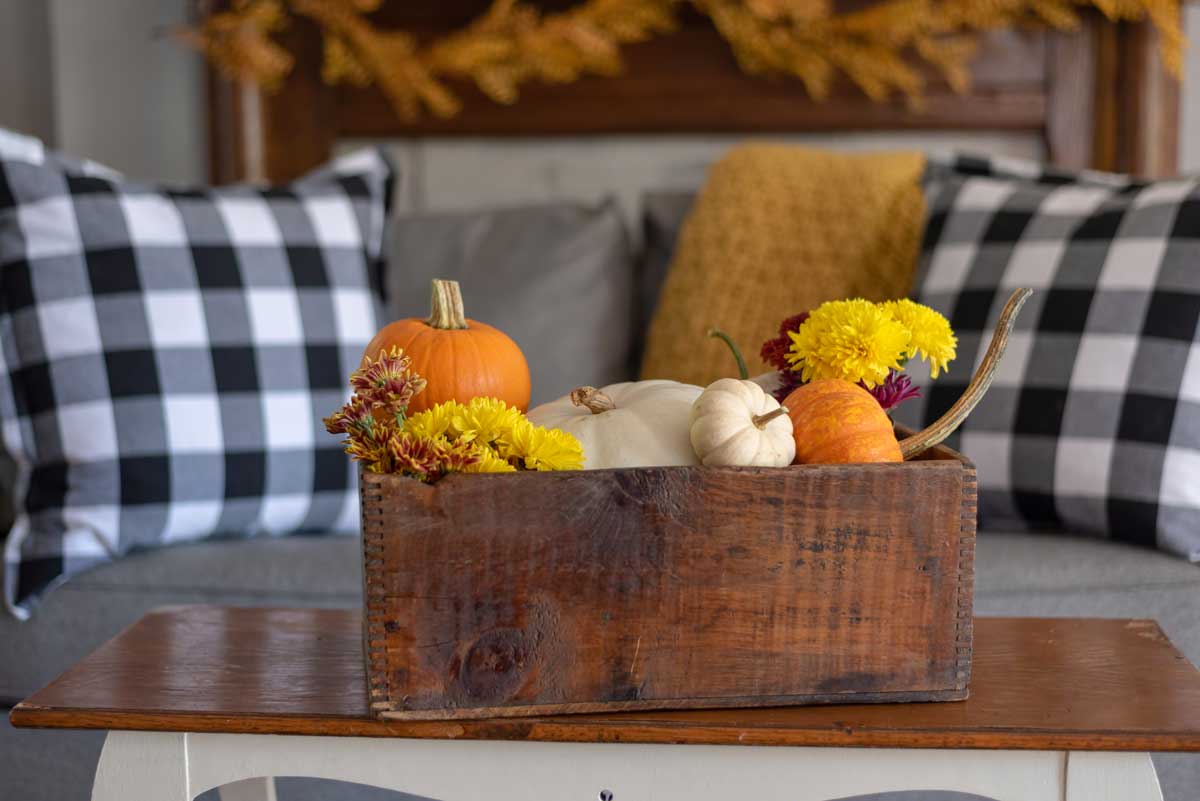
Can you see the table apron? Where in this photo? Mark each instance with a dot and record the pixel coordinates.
(166, 766)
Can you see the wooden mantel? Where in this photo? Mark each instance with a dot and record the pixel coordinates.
(1099, 96)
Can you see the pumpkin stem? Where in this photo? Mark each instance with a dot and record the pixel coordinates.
(446, 308)
(593, 399)
(945, 425)
(760, 420)
(743, 372)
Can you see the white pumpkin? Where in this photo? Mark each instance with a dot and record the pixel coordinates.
(632, 424)
(734, 422)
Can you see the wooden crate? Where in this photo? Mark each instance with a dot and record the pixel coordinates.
(668, 588)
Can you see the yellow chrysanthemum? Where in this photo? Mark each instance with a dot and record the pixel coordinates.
(485, 420)
(489, 462)
(931, 336)
(854, 340)
(435, 421)
(541, 448)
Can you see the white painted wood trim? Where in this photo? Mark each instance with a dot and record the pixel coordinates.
(1098, 776)
(143, 766)
(152, 766)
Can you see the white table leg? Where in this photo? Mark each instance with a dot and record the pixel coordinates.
(1109, 776)
(261, 788)
(142, 766)
(151, 766)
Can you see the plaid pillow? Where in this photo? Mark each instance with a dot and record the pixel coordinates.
(1093, 422)
(167, 357)
(26, 148)
(950, 166)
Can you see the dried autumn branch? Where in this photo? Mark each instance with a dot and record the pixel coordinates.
(238, 42)
(881, 49)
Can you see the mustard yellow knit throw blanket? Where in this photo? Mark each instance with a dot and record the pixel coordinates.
(777, 230)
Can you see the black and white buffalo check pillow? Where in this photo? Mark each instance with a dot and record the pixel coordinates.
(1093, 422)
(167, 356)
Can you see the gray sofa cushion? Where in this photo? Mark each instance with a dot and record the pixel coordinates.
(558, 279)
(1037, 564)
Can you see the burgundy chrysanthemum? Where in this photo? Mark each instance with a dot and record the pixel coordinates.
(894, 390)
(792, 323)
(774, 351)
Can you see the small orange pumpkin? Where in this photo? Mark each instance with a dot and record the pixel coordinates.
(459, 358)
(836, 422)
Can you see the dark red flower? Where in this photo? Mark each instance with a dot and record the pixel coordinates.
(792, 323)
(774, 351)
(894, 390)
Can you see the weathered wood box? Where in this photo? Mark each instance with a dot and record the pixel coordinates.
(668, 588)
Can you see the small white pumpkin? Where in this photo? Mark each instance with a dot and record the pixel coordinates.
(631, 424)
(734, 422)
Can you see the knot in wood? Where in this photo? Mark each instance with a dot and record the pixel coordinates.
(494, 667)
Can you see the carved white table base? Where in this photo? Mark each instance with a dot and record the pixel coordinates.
(156, 766)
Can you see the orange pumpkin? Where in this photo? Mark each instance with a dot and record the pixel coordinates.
(459, 358)
(836, 422)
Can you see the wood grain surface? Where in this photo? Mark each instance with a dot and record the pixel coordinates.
(668, 588)
(1038, 684)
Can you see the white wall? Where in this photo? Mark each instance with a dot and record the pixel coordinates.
(456, 174)
(126, 94)
(1189, 139)
(26, 83)
(97, 78)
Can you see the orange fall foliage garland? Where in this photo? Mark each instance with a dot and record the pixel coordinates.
(879, 48)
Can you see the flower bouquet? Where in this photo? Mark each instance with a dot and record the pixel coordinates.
(483, 435)
(865, 343)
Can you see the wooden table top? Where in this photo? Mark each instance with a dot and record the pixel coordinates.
(1038, 684)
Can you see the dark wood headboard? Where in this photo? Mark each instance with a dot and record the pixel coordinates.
(1099, 97)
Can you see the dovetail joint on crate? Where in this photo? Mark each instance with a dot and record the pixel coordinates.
(375, 612)
(964, 623)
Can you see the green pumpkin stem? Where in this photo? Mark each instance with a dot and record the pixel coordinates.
(743, 372)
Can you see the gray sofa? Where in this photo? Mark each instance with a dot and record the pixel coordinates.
(1018, 574)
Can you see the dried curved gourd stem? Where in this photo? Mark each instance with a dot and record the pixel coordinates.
(952, 419)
